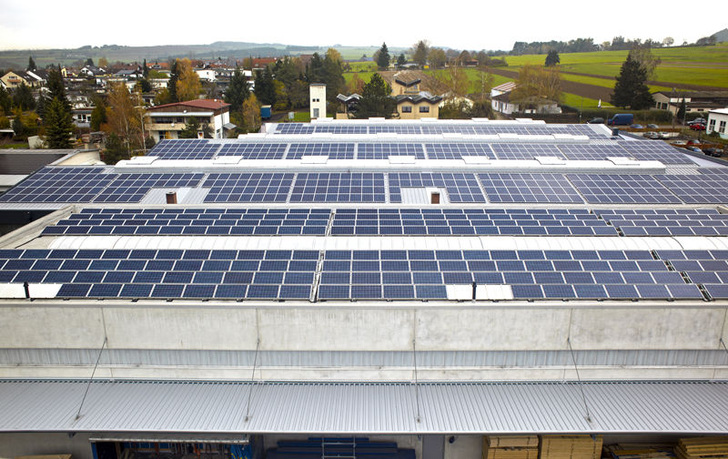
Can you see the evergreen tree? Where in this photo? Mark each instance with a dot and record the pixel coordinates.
(98, 115)
(630, 89)
(5, 100)
(383, 58)
(191, 127)
(172, 84)
(237, 91)
(145, 70)
(401, 60)
(420, 52)
(90, 62)
(23, 98)
(376, 99)
(31, 64)
(265, 90)
(681, 110)
(552, 58)
(58, 124)
(56, 88)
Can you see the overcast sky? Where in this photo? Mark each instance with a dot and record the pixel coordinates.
(473, 24)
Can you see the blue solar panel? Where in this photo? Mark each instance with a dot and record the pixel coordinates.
(133, 187)
(184, 149)
(338, 187)
(60, 185)
(622, 189)
(710, 186)
(552, 188)
(460, 187)
(385, 150)
(457, 150)
(593, 152)
(253, 187)
(253, 150)
(524, 151)
(332, 150)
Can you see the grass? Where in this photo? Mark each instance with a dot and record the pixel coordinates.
(302, 117)
(582, 103)
(362, 66)
(705, 66)
(14, 146)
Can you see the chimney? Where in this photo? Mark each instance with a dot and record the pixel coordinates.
(171, 197)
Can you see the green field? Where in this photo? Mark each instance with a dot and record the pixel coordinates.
(704, 65)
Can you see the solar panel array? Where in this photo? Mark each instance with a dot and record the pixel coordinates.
(553, 188)
(338, 187)
(257, 150)
(60, 185)
(255, 187)
(460, 187)
(194, 221)
(370, 274)
(133, 187)
(440, 128)
(667, 222)
(710, 186)
(185, 149)
(622, 189)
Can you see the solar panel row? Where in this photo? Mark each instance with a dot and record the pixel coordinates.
(59, 185)
(370, 274)
(205, 149)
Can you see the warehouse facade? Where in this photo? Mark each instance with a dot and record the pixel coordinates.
(407, 281)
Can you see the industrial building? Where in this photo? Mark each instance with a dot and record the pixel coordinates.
(383, 288)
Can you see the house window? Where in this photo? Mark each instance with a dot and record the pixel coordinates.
(425, 109)
(721, 129)
(711, 125)
(406, 109)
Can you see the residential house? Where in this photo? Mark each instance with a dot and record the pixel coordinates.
(695, 101)
(417, 106)
(12, 80)
(348, 106)
(501, 102)
(717, 120)
(91, 71)
(166, 121)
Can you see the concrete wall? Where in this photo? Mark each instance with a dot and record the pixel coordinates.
(317, 100)
(363, 328)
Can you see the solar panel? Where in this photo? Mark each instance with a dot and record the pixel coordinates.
(457, 150)
(460, 187)
(338, 129)
(253, 150)
(133, 187)
(524, 151)
(294, 128)
(338, 187)
(656, 151)
(332, 150)
(593, 152)
(622, 189)
(385, 150)
(184, 149)
(529, 188)
(60, 184)
(708, 187)
(254, 187)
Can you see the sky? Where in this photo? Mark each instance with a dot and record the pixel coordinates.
(473, 24)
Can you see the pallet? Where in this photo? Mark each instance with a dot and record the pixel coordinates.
(571, 447)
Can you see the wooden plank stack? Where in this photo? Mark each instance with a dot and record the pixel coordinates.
(641, 451)
(510, 447)
(571, 447)
(702, 448)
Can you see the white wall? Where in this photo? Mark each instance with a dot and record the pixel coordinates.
(317, 100)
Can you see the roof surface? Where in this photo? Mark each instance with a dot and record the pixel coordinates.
(369, 408)
(204, 104)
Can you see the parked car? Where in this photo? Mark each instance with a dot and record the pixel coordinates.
(715, 152)
(697, 121)
(679, 143)
(694, 142)
(664, 135)
(653, 126)
(651, 135)
(697, 127)
(621, 119)
(696, 149)
(637, 126)
(596, 121)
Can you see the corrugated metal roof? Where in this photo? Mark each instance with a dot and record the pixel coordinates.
(371, 408)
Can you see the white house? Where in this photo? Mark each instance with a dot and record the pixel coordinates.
(717, 120)
(165, 121)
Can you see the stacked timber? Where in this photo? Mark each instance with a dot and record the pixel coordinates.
(641, 451)
(510, 447)
(702, 448)
(571, 447)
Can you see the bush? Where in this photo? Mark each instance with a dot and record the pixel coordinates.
(640, 116)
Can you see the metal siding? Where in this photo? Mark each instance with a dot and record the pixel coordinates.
(346, 408)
